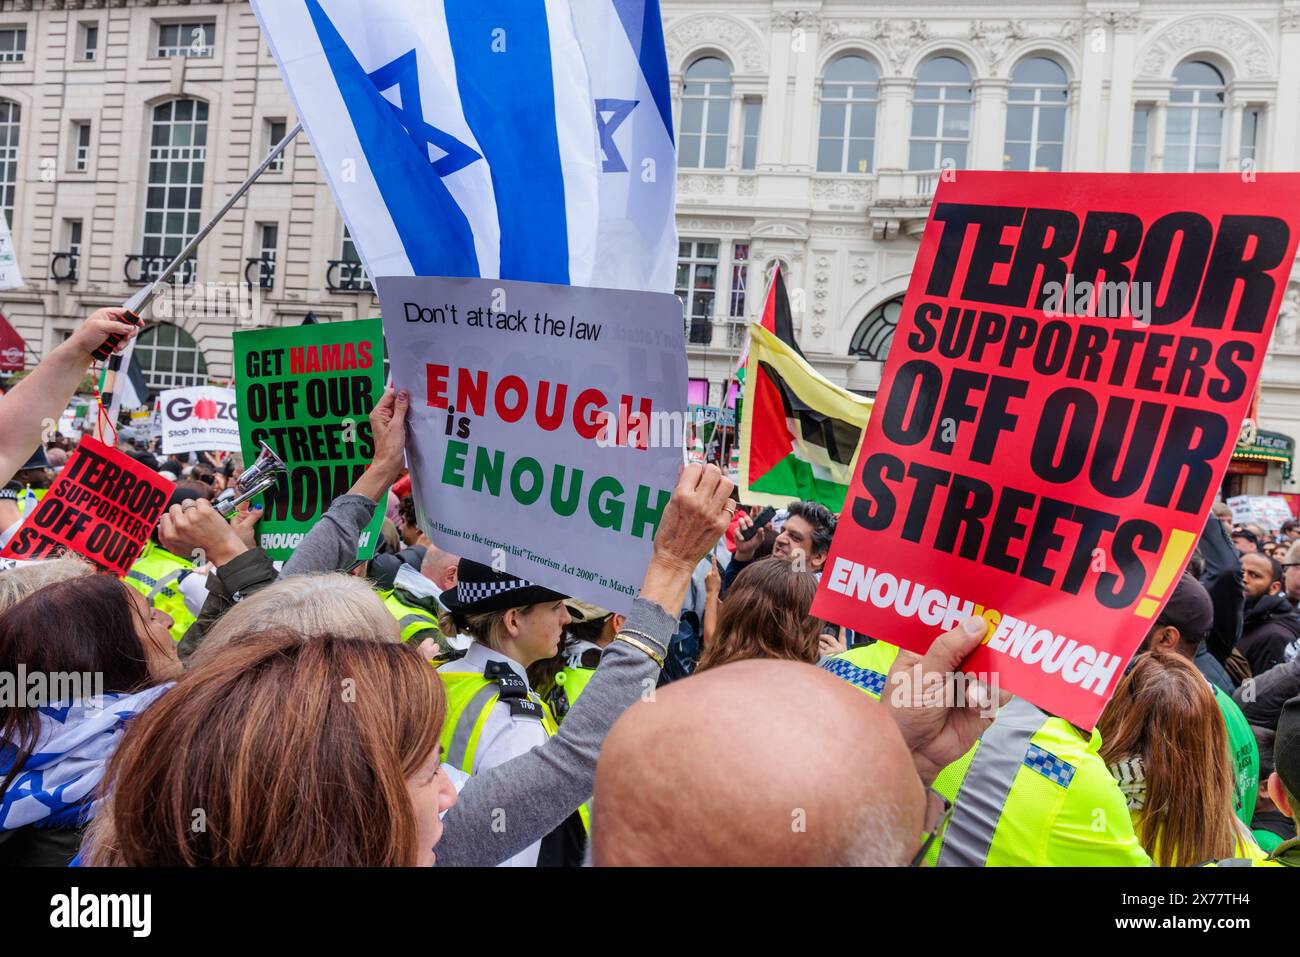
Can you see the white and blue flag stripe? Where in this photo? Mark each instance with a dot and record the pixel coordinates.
(623, 43)
(457, 136)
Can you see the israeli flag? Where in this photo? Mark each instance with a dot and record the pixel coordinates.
(456, 135)
(623, 43)
(463, 137)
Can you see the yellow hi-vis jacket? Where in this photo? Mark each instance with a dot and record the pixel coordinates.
(569, 684)
(32, 495)
(1050, 796)
(1286, 854)
(470, 699)
(155, 575)
(412, 619)
(864, 666)
(1034, 792)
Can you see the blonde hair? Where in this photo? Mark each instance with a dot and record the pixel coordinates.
(17, 583)
(311, 605)
(487, 628)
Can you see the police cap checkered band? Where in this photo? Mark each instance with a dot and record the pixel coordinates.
(471, 593)
(480, 588)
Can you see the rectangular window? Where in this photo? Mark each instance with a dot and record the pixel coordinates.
(739, 279)
(74, 245)
(174, 198)
(13, 44)
(349, 273)
(275, 131)
(705, 115)
(10, 117)
(68, 267)
(268, 235)
(749, 145)
(941, 126)
(1138, 151)
(80, 146)
(87, 41)
(697, 286)
(195, 38)
(1250, 120)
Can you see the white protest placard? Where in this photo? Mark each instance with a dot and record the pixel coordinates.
(1268, 511)
(546, 425)
(199, 419)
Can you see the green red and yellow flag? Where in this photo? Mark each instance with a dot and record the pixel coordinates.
(799, 432)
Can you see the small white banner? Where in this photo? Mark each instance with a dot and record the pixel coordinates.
(199, 419)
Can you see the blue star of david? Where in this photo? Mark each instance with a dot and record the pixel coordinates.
(618, 111)
(403, 73)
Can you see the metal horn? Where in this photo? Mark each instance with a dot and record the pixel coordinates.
(255, 479)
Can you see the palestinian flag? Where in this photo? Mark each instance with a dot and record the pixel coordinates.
(776, 320)
(799, 433)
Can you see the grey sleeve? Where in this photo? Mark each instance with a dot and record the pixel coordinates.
(331, 545)
(533, 793)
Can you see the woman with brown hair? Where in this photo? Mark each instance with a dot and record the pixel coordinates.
(275, 750)
(222, 773)
(765, 615)
(1164, 740)
(86, 655)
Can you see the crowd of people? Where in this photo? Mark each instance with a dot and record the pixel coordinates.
(421, 708)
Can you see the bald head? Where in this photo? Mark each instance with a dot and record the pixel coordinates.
(756, 763)
(439, 567)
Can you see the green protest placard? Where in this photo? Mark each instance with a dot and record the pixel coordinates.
(307, 391)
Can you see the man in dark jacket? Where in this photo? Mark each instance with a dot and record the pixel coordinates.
(1284, 782)
(1271, 623)
(1218, 568)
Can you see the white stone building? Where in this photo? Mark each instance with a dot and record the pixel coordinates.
(810, 132)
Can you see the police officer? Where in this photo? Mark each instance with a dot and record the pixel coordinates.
(1033, 791)
(409, 597)
(33, 481)
(493, 714)
(157, 575)
(561, 680)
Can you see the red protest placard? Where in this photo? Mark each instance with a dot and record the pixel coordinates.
(1074, 358)
(103, 506)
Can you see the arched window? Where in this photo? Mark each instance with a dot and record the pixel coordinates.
(170, 358)
(770, 269)
(178, 149)
(1036, 105)
(706, 113)
(875, 333)
(941, 112)
(10, 116)
(1194, 128)
(847, 136)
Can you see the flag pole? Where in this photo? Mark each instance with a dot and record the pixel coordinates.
(116, 362)
(735, 429)
(742, 351)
